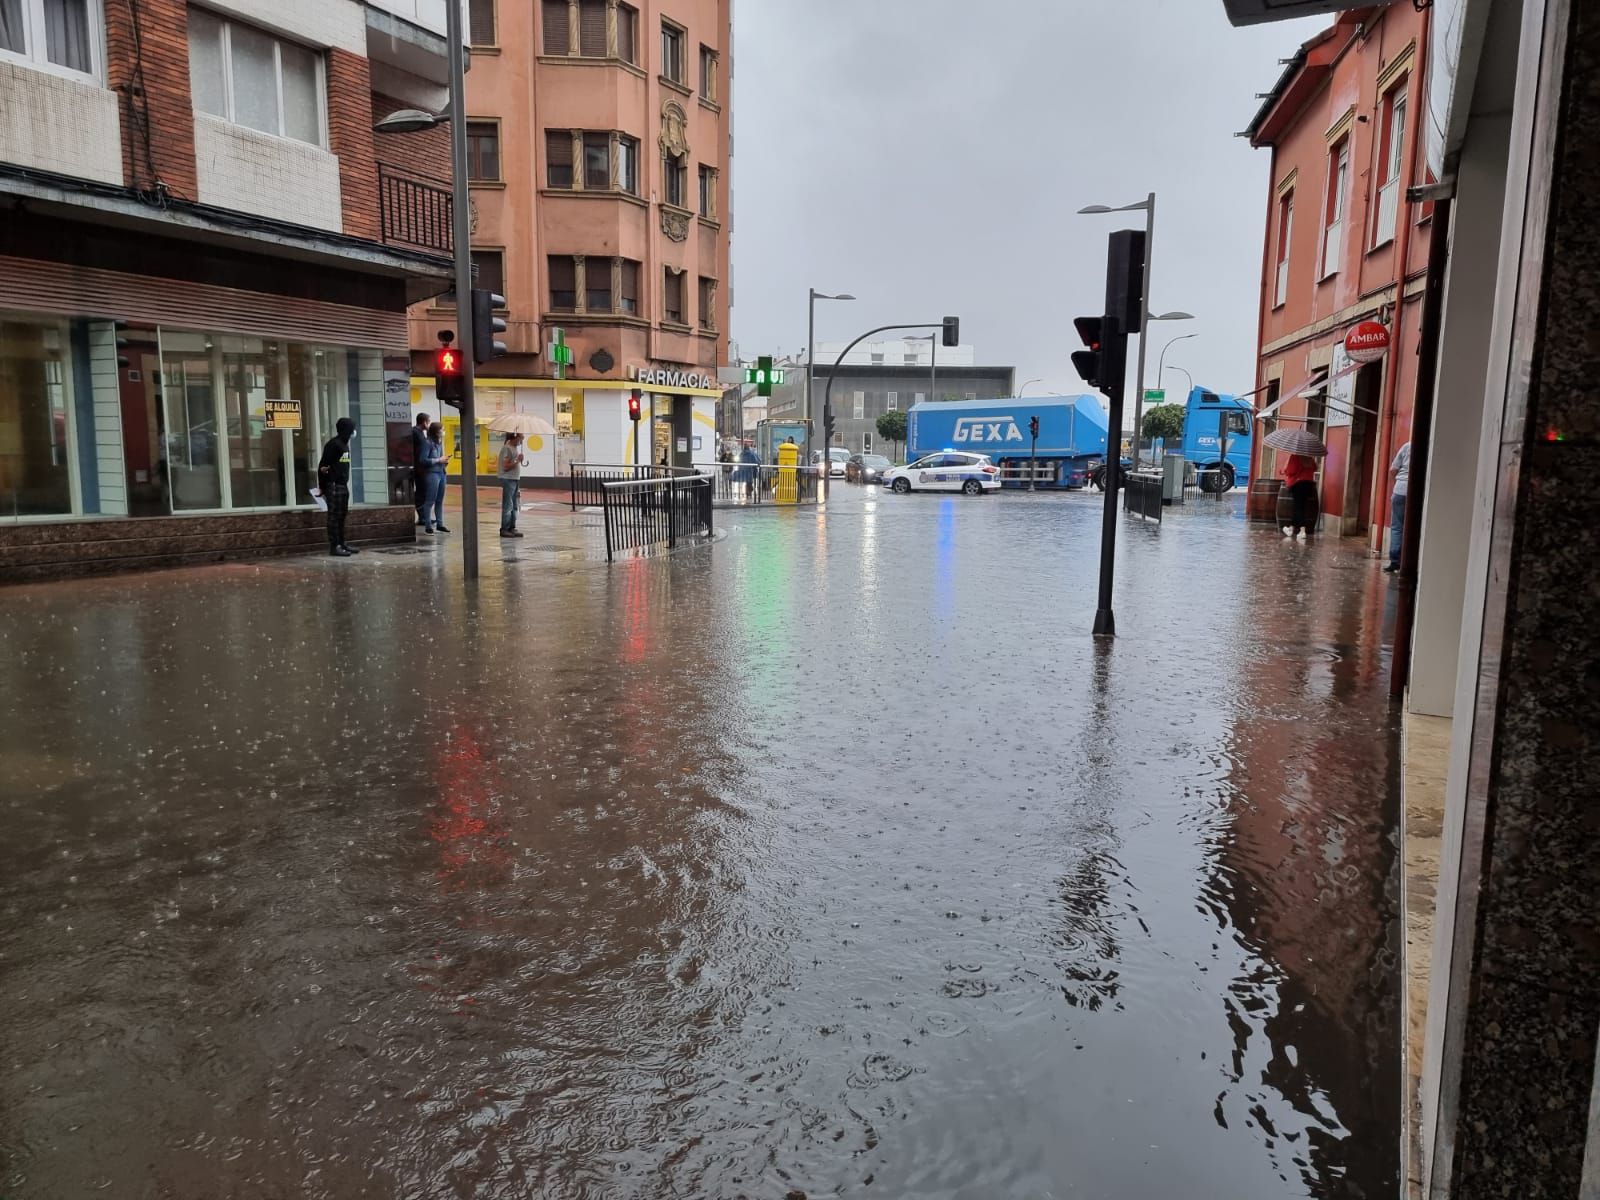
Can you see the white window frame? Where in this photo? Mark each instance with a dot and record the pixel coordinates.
(892, 402)
(1280, 293)
(36, 55)
(1396, 104)
(1333, 227)
(672, 28)
(228, 22)
(858, 406)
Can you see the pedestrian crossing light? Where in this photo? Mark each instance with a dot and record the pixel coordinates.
(763, 375)
(449, 386)
(1087, 361)
(635, 404)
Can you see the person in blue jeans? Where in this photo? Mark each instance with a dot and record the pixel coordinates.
(433, 465)
(1401, 469)
(510, 473)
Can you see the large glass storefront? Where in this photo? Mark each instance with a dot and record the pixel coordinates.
(103, 419)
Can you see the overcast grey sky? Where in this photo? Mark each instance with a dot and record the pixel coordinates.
(930, 156)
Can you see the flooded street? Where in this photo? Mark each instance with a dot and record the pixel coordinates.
(833, 859)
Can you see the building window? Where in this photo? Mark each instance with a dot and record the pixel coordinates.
(597, 161)
(672, 52)
(592, 29)
(877, 358)
(672, 297)
(243, 75)
(628, 288)
(597, 285)
(1333, 214)
(54, 33)
(556, 17)
(676, 180)
(628, 165)
(1280, 291)
(563, 283)
(558, 158)
(708, 304)
(708, 192)
(1391, 156)
(489, 270)
(628, 33)
(708, 73)
(858, 407)
(480, 22)
(892, 403)
(483, 151)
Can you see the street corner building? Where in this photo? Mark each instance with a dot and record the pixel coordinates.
(206, 257)
(1344, 250)
(598, 163)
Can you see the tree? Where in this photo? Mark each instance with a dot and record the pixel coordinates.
(892, 427)
(1164, 421)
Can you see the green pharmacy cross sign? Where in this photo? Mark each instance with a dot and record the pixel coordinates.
(560, 353)
(763, 375)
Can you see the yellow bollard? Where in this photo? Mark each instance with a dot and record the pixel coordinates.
(788, 474)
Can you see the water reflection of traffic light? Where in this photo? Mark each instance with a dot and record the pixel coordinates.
(467, 824)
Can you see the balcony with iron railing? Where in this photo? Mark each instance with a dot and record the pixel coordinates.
(416, 211)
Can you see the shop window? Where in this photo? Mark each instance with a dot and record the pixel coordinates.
(251, 78)
(35, 420)
(55, 34)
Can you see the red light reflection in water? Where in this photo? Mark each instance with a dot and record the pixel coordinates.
(474, 844)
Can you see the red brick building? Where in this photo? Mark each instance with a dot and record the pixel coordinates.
(1343, 246)
(203, 265)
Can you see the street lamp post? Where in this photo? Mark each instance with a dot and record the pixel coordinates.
(811, 354)
(1022, 391)
(1161, 363)
(827, 392)
(1186, 375)
(1148, 206)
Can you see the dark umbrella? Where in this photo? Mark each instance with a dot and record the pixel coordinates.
(1296, 441)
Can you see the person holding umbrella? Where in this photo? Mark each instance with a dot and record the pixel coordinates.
(516, 426)
(1300, 474)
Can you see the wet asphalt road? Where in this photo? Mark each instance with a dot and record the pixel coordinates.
(832, 859)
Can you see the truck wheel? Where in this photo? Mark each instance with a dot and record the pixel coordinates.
(902, 485)
(1099, 479)
(1216, 481)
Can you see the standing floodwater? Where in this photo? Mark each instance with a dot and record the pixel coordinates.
(832, 859)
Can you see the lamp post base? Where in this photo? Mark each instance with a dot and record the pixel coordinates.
(1105, 623)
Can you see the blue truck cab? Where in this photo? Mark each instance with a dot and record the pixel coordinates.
(1217, 433)
(1071, 444)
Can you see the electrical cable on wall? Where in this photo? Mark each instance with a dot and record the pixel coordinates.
(158, 194)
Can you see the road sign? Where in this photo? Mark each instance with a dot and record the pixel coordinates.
(560, 353)
(1155, 395)
(283, 414)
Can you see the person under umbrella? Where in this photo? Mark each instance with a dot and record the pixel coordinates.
(1300, 474)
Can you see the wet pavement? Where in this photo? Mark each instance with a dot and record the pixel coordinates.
(833, 859)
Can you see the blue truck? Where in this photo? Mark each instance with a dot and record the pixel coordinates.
(1211, 419)
(1070, 449)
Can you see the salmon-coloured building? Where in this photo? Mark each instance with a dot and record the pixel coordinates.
(1343, 246)
(599, 134)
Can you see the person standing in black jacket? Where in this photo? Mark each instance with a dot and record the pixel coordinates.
(333, 474)
(419, 473)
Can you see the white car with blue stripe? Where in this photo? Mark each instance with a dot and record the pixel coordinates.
(946, 471)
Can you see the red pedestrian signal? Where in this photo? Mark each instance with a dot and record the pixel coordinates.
(634, 401)
(448, 383)
(1088, 361)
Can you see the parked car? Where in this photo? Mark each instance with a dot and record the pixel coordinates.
(866, 468)
(947, 471)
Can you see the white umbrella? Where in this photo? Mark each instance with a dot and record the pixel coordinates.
(1296, 441)
(526, 424)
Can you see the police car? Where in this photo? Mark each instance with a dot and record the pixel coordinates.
(946, 471)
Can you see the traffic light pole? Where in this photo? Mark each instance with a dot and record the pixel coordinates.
(1105, 623)
(462, 238)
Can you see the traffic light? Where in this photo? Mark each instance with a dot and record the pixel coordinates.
(449, 385)
(1125, 279)
(827, 428)
(952, 331)
(1033, 427)
(485, 325)
(1087, 361)
(635, 403)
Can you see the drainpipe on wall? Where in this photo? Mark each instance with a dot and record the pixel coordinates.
(1416, 101)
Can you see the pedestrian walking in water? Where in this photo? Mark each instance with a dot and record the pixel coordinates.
(747, 472)
(1401, 469)
(510, 472)
(419, 472)
(434, 461)
(333, 478)
(1301, 476)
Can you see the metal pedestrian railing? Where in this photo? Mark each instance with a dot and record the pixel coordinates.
(587, 481)
(752, 485)
(651, 514)
(1141, 494)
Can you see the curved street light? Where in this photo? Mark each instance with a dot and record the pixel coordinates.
(1023, 389)
(811, 351)
(1161, 362)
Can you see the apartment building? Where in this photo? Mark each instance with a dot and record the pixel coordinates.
(197, 278)
(600, 140)
(1343, 247)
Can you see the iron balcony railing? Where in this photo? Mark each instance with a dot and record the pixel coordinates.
(655, 514)
(416, 211)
